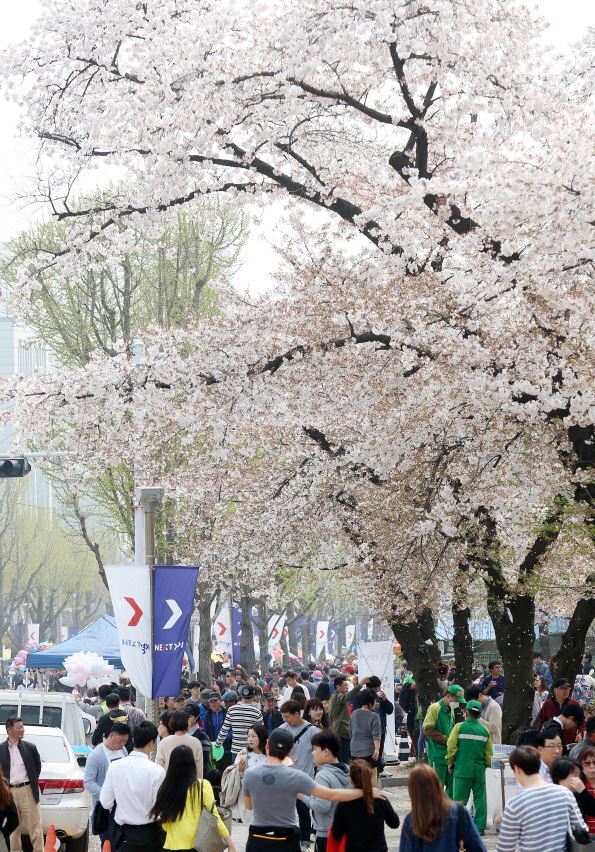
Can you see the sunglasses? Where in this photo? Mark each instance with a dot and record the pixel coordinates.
(588, 762)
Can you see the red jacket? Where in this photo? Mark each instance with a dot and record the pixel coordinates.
(550, 710)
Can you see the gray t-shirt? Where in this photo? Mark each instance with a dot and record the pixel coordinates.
(302, 750)
(364, 727)
(273, 790)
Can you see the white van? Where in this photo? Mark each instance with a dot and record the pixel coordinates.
(50, 709)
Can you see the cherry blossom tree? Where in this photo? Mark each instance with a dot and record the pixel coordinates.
(419, 397)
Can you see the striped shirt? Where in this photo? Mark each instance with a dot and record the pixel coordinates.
(239, 718)
(537, 820)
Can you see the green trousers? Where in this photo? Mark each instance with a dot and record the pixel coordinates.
(462, 788)
(440, 767)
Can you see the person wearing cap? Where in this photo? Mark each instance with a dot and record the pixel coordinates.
(437, 726)
(240, 718)
(270, 714)
(270, 791)
(203, 706)
(215, 715)
(552, 707)
(469, 753)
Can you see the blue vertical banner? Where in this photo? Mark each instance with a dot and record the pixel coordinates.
(236, 632)
(173, 603)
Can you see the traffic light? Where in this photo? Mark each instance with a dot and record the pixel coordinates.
(14, 467)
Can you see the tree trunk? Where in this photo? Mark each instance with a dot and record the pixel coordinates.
(341, 636)
(515, 634)
(292, 640)
(306, 642)
(573, 641)
(462, 643)
(418, 641)
(205, 641)
(247, 657)
(263, 635)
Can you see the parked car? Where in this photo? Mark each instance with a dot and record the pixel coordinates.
(65, 803)
(54, 709)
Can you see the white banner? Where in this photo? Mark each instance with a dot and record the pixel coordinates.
(222, 631)
(32, 634)
(349, 636)
(321, 638)
(275, 631)
(130, 590)
(377, 658)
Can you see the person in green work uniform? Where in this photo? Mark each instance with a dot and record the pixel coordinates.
(468, 753)
(438, 724)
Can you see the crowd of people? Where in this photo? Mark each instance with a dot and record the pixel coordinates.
(295, 755)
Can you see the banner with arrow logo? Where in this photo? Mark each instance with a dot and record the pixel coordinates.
(130, 588)
(173, 602)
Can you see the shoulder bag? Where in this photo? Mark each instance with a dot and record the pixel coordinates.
(207, 837)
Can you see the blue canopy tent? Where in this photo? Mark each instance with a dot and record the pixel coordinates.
(100, 636)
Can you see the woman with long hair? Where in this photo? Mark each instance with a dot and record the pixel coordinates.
(248, 758)
(435, 822)
(315, 713)
(362, 820)
(9, 818)
(540, 695)
(180, 802)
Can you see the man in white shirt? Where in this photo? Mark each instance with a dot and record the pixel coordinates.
(292, 683)
(132, 784)
(550, 748)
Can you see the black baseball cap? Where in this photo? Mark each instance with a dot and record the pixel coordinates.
(280, 738)
(246, 691)
(561, 681)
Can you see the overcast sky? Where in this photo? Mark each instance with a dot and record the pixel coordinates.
(568, 21)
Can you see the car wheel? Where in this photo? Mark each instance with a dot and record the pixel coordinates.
(78, 844)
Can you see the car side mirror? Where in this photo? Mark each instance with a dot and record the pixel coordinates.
(86, 725)
(81, 759)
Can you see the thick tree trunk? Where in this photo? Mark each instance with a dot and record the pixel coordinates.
(205, 641)
(306, 641)
(515, 634)
(573, 641)
(462, 643)
(420, 648)
(247, 658)
(341, 625)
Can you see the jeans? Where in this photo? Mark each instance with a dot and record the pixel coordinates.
(303, 812)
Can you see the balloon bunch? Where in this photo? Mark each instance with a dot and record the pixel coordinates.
(86, 668)
(20, 659)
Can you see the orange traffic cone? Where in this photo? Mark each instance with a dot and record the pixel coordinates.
(52, 844)
(107, 846)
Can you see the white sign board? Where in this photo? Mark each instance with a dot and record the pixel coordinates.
(130, 589)
(222, 631)
(377, 658)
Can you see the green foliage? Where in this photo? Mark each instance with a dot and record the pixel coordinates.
(167, 277)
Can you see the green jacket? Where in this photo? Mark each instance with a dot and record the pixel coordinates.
(469, 745)
(338, 714)
(437, 726)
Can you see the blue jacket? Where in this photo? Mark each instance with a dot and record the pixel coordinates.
(447, 840)
(96, 769)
